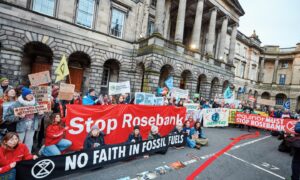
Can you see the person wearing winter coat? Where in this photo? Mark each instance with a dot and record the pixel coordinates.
(94, 139)
(9, 99)
(26, 124)
(154, 133)
(90, 98)
(11, 152)
(296, 157)
(4, 85)
(76, 99)
(54, 141)
(198, 135)
(135, 136)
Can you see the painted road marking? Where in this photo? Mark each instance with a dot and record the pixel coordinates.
(258, 167)
(250, 142)
(267, 165)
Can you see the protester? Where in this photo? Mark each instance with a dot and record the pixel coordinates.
(198, 135)
(178, 130)
(135, 136)
(54, 141)
(90, 98)
(154, 133)
(286, 114)
(94, 139)
(127, 98)
(11, 152)
(26, 124)
(9, 99)
(121, 100)
(187, 130)
(4, 84)
(76, 99)
(296, 157)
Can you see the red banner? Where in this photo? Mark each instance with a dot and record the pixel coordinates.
(269, 123)
(117, 121)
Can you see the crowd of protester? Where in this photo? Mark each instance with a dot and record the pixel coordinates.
(43, 133)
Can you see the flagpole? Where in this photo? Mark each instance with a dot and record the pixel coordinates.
(70, 81)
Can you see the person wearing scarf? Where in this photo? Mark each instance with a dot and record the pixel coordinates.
(26, 124)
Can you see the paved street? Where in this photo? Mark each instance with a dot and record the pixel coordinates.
(249, 160)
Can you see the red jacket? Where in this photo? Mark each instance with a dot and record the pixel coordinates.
(54, 134)
(8, 156)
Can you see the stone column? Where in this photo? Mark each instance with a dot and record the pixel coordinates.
(211, 32)
(197, 26)
(159, 17)
(167, 19)
(180, 21)
(261, 71)
(223, 38)
(145, 19)
(232, 44)
(275, 71)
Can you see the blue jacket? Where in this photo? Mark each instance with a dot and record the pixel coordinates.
(89, 100)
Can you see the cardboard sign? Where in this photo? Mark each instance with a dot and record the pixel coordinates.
(41, 93)
(66, 91)
(39, 78)
(30, 110)
(119, 88)
(266, 102)
(179, 93)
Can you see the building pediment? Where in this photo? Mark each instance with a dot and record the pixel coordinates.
(237, 6)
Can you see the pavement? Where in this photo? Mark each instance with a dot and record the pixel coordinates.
(252, 159)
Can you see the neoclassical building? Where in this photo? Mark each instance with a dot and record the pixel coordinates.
(143, 41)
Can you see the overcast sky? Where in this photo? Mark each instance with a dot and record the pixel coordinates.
(277, 22)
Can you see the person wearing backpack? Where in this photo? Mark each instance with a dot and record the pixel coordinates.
(296, 157)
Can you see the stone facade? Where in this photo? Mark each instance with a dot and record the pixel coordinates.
(32, 41)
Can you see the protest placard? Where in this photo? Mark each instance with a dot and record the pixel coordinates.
(119, 88)
(144, 98)
(30, 110)
(39, 78)
(217, 117)
(179, 93)
(66, 91)
(41, 93)
(159, 101)
(191, 108)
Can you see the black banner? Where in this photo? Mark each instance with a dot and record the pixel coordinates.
(58, 166)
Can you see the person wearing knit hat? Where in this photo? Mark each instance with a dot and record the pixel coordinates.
(94, 139)
(27, 124)
(135, 136)
(4, 85)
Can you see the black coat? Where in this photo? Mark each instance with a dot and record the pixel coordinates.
(91, 141)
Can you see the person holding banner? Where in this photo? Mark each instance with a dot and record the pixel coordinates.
(187, 130)
(94, 139)
(11, 152)
(198, 135)
(121, 100)
(135, 136)
(154, 133)
(54, 142)
(27, 124)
